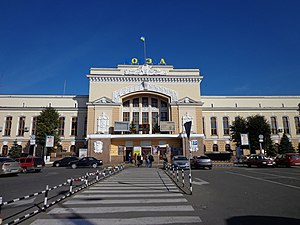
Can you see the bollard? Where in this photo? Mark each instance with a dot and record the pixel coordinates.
(182, 176)
(173, 172)
(191, 188)
(71, 185)
(46, 197)
(177, 175)
(86, 179)
(97, 175)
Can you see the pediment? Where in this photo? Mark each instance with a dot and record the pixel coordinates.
(188, 100)
(103, 100)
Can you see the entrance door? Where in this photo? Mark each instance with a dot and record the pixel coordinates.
(128, 154)
(146, 151)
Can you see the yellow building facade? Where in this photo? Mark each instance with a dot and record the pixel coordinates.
(142, 109)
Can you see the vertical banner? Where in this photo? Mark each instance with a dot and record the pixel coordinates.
(244, 139)
(187, 126)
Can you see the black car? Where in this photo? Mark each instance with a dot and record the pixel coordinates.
(86, 162)
(64, 161)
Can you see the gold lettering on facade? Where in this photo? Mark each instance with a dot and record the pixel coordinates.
(134, 61)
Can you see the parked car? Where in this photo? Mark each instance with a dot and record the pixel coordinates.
(201, 162)
(31, 163)
(260, 161)
(64, 161)
(9, 166)
(86, 162)
(180, 162)
(288, 159)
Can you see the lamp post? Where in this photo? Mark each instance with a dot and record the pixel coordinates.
(261, 140)
(298, 108)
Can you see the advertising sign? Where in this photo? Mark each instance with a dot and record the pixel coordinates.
(49, 141)
(244, 139)
(82, 152)
(167, 126)
(121, 126)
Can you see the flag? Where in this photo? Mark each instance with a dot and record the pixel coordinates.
(142, 38)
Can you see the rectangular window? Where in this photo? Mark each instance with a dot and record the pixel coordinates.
(226, 125)
(145, 117)
(154, 102)
(154, 118)
(126, 116)
(274, 129)
(61, 128)
(74, 126)
(163, 104)
(213, 125)
(34, 124)
(8, 124)
(286, 126)
(135, 102)
(297, 124)
(126, 104)
(163, 116)
(145, 102)
(21, 127)
(85, 127)
(136, 118)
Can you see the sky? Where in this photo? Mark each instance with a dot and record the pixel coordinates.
(242, 47)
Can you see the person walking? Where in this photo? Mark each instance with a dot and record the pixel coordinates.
(146, 160)
(139, 160)
(151, 160)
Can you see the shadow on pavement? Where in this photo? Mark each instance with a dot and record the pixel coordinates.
(262, 220)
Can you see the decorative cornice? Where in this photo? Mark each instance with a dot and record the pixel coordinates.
(144, 70)
(138, 79)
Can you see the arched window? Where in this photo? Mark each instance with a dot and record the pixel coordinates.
(204, 148)
(226, 125)
(286, 125)
(4, 150)
(215, 148)
(227, 148)
(73, 149)
(213, 125)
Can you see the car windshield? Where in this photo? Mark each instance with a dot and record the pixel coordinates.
(6, 160)
(180, 158)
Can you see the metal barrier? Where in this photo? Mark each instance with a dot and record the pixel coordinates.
(42, 206)
(180, 180)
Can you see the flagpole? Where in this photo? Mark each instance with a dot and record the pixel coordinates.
(145, 51)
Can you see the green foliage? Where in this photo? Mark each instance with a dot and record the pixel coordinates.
(253, 126)
(15, 151)
(47, 124)
(133, 128)
(285, 145)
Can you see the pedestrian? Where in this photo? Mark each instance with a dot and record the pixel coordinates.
(146, 160)
(129, 157)
(134, 158)
(139, 160)
(165, 158)
(151, 160)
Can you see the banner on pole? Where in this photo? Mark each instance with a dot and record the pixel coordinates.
(244, 139)
(49, 141)
(187, 126)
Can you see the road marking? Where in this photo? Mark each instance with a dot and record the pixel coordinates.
(126, 201)
(133, 188)
(98, 210)
(91, 196)
(270, 181)
(199, 182)
(122, 221)
(127, 191)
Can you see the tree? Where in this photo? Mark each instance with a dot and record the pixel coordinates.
(285, 145)
(15, 151)
(253, 126)
(47, 124)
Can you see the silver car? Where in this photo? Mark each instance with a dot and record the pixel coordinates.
(180, 162)
(9, 166)
(201, 162)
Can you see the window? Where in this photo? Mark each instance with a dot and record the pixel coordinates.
(297, 124)
(274, 125)
(85, 127)
(74, 126)
(135, 102)
(136, 119)
(286, 126)
(154, 102)
(155, 120)
(8, 124)
(145, 102)
(145, 118)
(21, 128)
(213, 125)
(215, 148)
(126, 116)
(34, 124)
(164, 116)
(126, 103)
(226, 125)
(61, 128)
(4, 150)
(227, 148)
(163, 104)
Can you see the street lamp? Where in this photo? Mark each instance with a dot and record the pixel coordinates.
(261, 140)
(298, 108)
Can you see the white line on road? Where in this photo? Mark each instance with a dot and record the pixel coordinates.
(122, 221)
(127, 191)
(270, 181)
(91, 196)
(199, 182)
(125, 201)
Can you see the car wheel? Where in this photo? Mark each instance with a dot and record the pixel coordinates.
(24, 170)
(57, 164)
(94, 165)
(38, 170)
(74, 166)
(210, 167)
